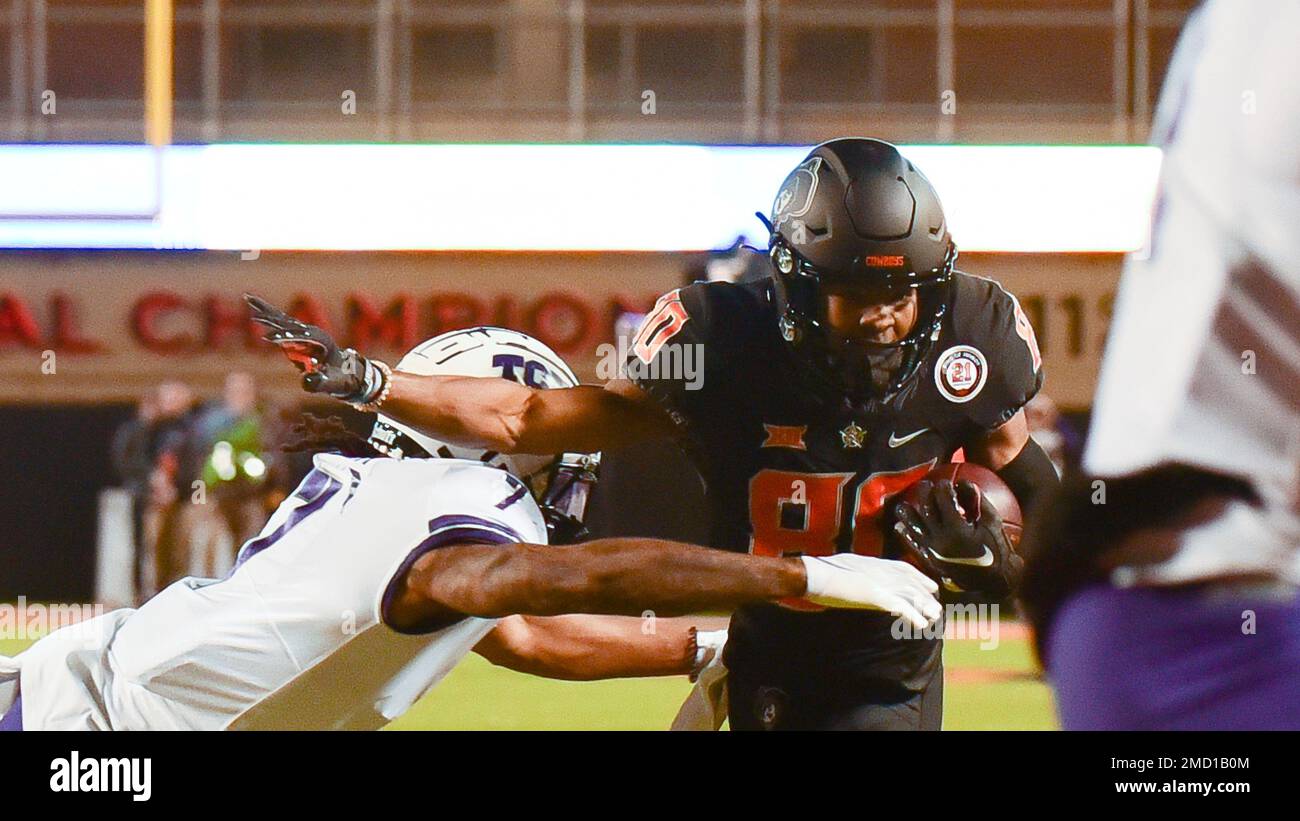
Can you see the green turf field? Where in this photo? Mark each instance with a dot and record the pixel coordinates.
(985, 690)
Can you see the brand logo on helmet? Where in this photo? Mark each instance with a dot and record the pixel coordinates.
(960, 372)
(796, 196)
(885, 261)
(789, 330)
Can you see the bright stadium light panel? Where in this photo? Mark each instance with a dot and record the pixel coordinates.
(87, 182)
(532, 197)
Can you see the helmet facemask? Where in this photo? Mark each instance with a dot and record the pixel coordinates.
(563, 491)
(865, 372)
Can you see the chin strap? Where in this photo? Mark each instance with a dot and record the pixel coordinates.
(564, 504)
(392, 442)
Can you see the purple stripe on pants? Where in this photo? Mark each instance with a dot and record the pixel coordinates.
(13, 720)
(1176, 659)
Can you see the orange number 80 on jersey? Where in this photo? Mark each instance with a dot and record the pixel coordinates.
(803, 513)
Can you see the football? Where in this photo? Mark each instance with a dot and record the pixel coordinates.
(990, 486)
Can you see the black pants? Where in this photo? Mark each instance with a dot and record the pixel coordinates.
(804, 705)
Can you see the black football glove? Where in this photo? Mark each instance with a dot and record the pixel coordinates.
(965, 557)
(326, 368)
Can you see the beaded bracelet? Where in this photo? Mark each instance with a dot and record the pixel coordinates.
(373, 405)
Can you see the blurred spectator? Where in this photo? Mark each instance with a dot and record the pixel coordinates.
(204, 482)
(165, 521)
(131, 452)
(132, 447)
(1052, 431)
(225, 446)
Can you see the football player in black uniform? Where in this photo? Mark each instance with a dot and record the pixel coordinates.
(863, 362)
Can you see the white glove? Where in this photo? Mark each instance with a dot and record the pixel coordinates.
(865, 582)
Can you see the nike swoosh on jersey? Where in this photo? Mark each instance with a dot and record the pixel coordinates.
(896, 441)
(978, 561)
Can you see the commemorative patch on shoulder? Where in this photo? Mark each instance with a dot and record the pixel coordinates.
(960, 372)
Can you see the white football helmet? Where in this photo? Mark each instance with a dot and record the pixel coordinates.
(560, 482)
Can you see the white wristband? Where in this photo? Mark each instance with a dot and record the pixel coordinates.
(708, 650)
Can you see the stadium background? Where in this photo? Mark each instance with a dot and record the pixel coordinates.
(758, 72)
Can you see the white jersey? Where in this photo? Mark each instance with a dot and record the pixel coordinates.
(294, 636)
(1203, 362)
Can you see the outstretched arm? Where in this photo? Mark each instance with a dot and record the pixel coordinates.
(507, 417)
(631, 576)
(585, 647)
(612, 576)
(494, 414)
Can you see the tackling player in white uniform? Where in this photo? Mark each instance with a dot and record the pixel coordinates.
(379, 574)
(1165, 586)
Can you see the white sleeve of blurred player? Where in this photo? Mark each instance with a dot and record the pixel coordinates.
(1202, 365)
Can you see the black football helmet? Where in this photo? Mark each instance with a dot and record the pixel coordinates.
(857, 213)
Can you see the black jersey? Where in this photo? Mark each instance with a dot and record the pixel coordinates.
(790, 471)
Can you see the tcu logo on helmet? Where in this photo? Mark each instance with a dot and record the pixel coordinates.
(534, 373)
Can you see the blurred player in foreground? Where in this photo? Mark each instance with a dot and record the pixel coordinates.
(1165, 583)
(387, 566)
(861, 361)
